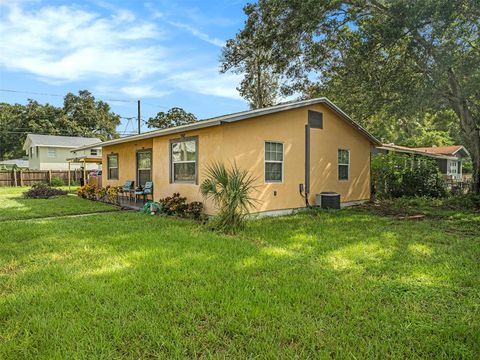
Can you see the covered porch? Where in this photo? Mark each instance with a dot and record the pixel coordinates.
(83, 160)
(130, 203)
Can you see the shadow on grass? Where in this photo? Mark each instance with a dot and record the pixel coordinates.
(19, 208)
(343, 283)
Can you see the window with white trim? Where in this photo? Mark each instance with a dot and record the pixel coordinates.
(112, 166)
(183, 157)
(453, 167)
(94, 152)
(51, 152)
(273, 161)
(343, 164)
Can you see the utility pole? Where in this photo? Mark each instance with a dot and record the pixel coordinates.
(139, 121)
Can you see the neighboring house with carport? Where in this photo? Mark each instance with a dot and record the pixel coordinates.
(448, 158)
(50, 152)
(294, 150)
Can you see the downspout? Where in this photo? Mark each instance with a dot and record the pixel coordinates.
(314, 121)
(307, 164)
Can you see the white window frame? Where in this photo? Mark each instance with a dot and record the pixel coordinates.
(97, 152)
(112, 167)
(194, 139)
(348, 166)
(449, 168)
(265, 161)
(51, 152)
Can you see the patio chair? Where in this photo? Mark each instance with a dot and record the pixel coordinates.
(147, 190)
(127, 188)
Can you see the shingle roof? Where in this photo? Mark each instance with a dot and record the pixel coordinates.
(425, 150)
(243, 115)
(19, 162)
(445, 150)
(398, 147)
(61, 141)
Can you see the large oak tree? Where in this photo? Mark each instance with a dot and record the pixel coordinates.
(398, 58)
(173, 117)
(81, 115)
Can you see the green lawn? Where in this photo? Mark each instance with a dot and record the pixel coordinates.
(348, 284)
(14, 206)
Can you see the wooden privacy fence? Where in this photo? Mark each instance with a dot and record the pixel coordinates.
(30, 177)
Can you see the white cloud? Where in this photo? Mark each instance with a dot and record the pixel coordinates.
(139, 91)
(198, 34)
(117, 52)
(208, 82)
(67, 43)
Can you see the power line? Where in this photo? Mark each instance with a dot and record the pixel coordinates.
(154, 105)
(30, 92)
(126, 125)
(59, 95)
(59, 134)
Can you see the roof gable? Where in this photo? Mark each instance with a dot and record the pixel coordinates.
(243, 115)
(58, 141)
(445, 150)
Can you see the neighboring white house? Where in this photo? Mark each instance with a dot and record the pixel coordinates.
(50, 152)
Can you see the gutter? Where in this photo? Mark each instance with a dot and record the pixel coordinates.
(230, 118)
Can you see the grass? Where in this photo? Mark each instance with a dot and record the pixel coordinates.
(14, 207)
(348, 284)
(453, 206)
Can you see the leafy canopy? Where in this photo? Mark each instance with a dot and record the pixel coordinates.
(81, 115)
(174, 117)
(379, 60)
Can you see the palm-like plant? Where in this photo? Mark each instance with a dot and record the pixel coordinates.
(230, 190)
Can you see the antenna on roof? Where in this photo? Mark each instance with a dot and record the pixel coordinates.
(139, 124)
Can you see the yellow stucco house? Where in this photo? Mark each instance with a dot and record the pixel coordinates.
(305, 146)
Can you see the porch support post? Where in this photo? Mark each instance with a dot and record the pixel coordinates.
(84, 172)
(69, 175)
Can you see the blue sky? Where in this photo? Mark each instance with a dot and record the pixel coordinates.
(162, 52)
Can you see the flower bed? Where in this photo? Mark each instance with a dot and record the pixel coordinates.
(174, 205)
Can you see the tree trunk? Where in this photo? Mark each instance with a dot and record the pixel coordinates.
(469, 125)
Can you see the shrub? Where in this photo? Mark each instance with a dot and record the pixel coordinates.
(112, 194)
(108, 194)
(43, 191)
(468, 201)
(194, 210)
(100, 193)
(396, 175)
(57, 181)
(174, 205)
(87, 192)
(230, 191)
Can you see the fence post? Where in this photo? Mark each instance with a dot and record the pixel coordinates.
(21, 180)
(14, 177)
(49, 177)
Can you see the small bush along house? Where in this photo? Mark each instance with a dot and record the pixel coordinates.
(294, 150)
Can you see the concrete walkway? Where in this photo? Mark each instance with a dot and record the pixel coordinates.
(66, 216)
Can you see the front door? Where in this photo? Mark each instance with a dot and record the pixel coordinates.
(144, 167)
